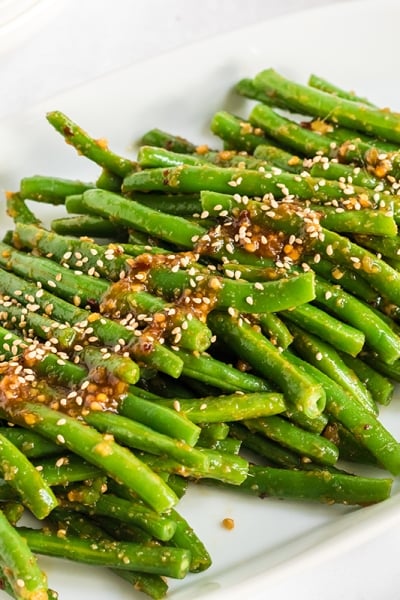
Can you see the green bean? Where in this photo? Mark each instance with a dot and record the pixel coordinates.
(321, 486)
(280, 158)
(227, 293)
(224, 376)
(380, 387)
(99, 450)
(18, 317)
(93, 149)
(121, 367)
(325, 358)
(48, 366)
(161, 560)
(169, 228)
(288, 133)
(82, 287)
(316, 321)
(233, 407)
(65, 469)
(180, 205)
(185, 537)
(223, 467)
(272, 452)
(31, 444)
(152, 585)
(150, 157)
(13, 510)
(378, 335)
(18, 210)
(345, 112)
(368, 221)
(300, 390)
(163, 139)
(24, 577)
(213, 432)
(347, 278)
(276, 330)
(237, 133)
(348, 308)
(324, 85)
(159, 418)
(109, 181)
(138, 436)
(362, 422)
(373, 269)
(349, 447)
(26, 480)
(161, 526)
(52, 190)
(305, 443)
(88, 226)
(350, 174)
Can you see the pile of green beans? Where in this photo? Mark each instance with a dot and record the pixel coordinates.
(228, 316)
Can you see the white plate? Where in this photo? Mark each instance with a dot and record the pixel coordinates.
(20, 18)
(354, 45)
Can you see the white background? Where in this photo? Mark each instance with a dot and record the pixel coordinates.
(59, 44)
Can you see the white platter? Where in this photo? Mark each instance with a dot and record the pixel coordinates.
(353, 44)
